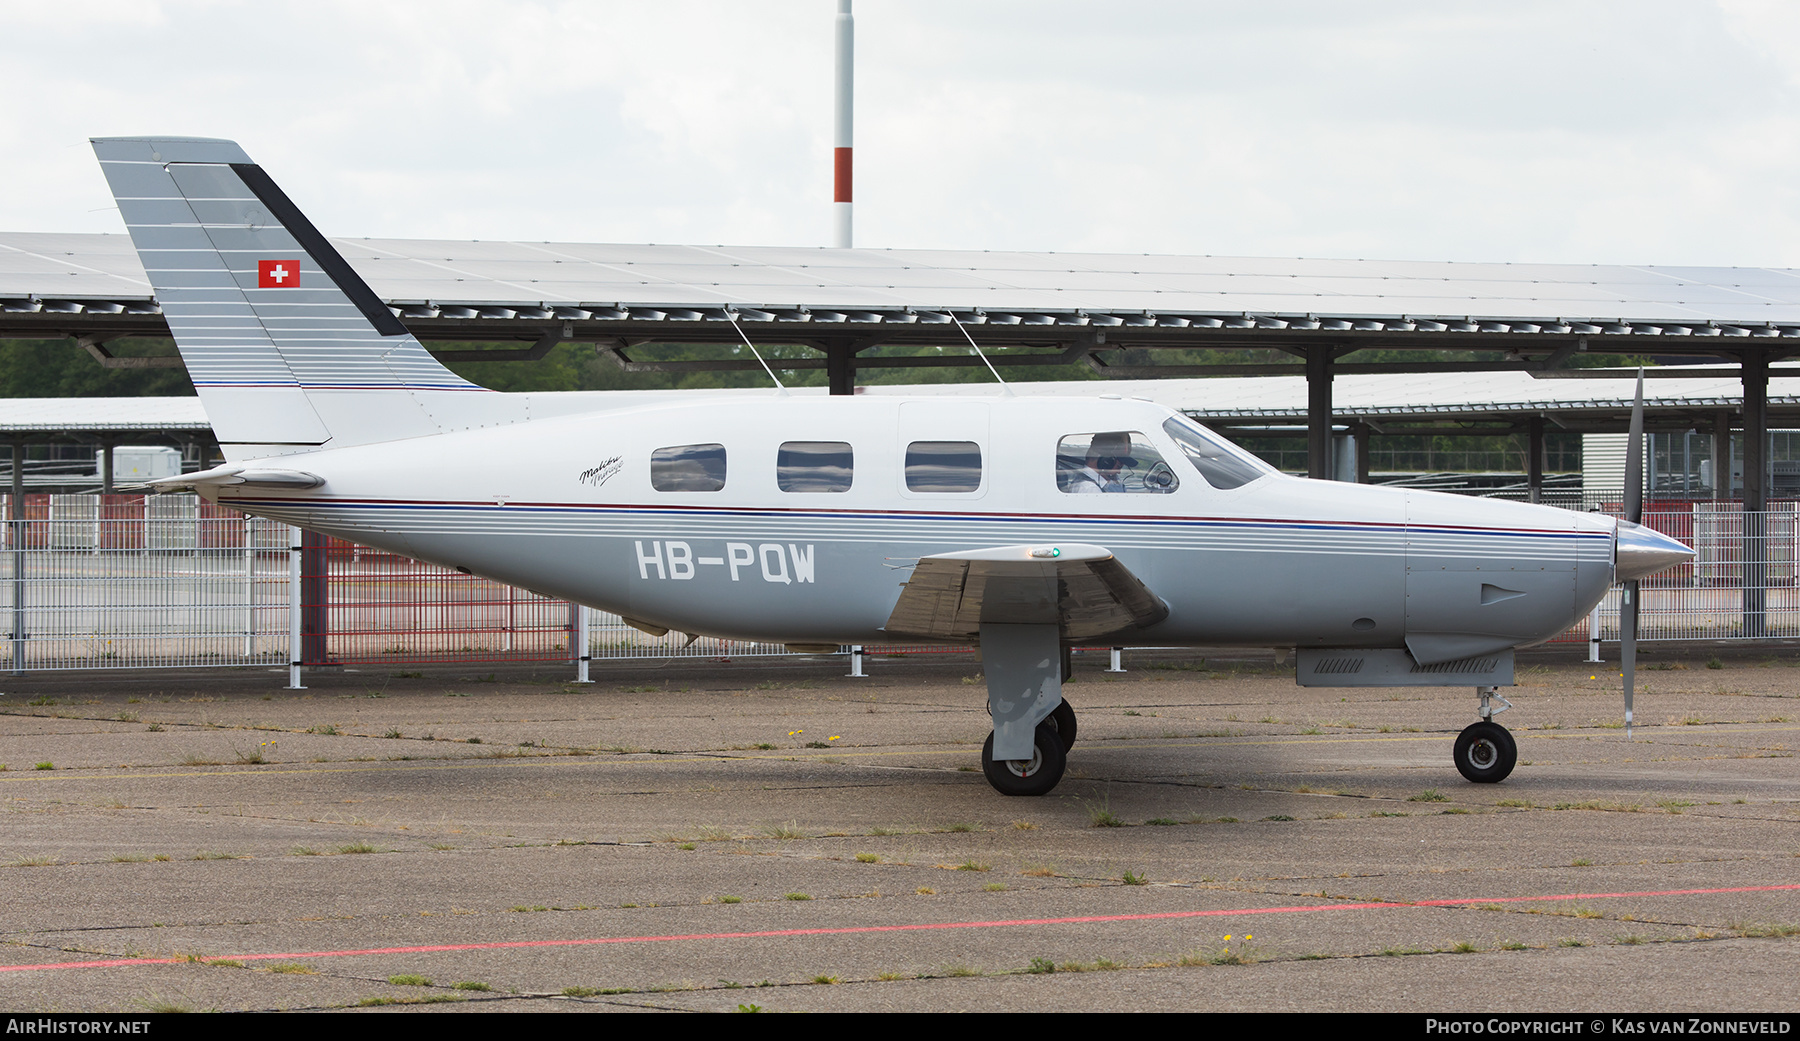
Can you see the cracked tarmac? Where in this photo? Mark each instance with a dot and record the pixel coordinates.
(495, 838)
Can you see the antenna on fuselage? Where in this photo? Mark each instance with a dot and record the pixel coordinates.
(977, 349)
(731, 316)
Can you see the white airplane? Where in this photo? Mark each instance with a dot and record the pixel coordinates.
(1024, 525)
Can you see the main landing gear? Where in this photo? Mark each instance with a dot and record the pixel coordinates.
(1034, 728)
(1485, 751)
(1034, 776)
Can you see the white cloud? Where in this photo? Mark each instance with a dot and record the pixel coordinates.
(1650, 131)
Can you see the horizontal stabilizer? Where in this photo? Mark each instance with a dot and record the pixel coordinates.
(254, 476)
(1081, 589)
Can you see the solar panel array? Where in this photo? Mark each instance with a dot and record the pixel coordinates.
(429, 279)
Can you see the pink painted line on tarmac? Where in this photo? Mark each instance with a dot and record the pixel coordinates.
(1373, 905)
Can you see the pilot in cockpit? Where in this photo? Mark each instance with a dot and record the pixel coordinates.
(1107, 455)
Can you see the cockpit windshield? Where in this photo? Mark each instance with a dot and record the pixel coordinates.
(1223, 464)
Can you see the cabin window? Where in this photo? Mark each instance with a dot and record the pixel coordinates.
(814, 466)
(1223, 464)
(688, 468)
(943, 466)
(1112, 461)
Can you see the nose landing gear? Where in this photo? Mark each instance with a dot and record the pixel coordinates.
(1485, 751)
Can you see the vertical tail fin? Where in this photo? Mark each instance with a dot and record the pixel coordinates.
(288, 347)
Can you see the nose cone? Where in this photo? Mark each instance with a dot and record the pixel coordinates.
(1640, 551)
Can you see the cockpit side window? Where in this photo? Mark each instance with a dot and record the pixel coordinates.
(688, 468)
(815, 466)
(1112, 461)
(1223, 464)
(943, 466)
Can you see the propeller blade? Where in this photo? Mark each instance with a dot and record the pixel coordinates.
(1634, 512)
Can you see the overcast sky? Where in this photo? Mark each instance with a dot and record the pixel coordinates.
(1647, 131)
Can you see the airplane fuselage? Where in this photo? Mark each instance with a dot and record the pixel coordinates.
(571, 507)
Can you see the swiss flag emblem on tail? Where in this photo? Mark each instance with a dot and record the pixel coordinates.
(277, 274)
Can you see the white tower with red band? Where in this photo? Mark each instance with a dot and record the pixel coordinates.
(840, 152)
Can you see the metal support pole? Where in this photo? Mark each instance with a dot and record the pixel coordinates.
(1534, 457)
(1361, 432)
(296, 605)
(1721, 456)
(16, 526)
(106, 467)
(1756, 493)
(1118, 660)
(856, 662)
(249, 585)
(1318, 412)
(1594, 635)
(315, 613)
(840, 368)
(582, 651)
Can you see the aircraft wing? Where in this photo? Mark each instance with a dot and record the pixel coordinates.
(1081, 589)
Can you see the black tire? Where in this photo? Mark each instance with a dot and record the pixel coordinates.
(1068, 664)
(1062, 720)
(1485, 752)
(1036, 777)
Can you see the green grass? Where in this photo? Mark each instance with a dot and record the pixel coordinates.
(1428, 795)
(45, 766)
(1765, 929)
(1100, 964)
(798, 896)
(974, 865)
(1132, 878)
(410, 981)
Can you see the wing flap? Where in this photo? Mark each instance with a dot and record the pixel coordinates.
(1083, 590)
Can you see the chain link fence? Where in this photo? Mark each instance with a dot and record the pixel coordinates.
(118, 581)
